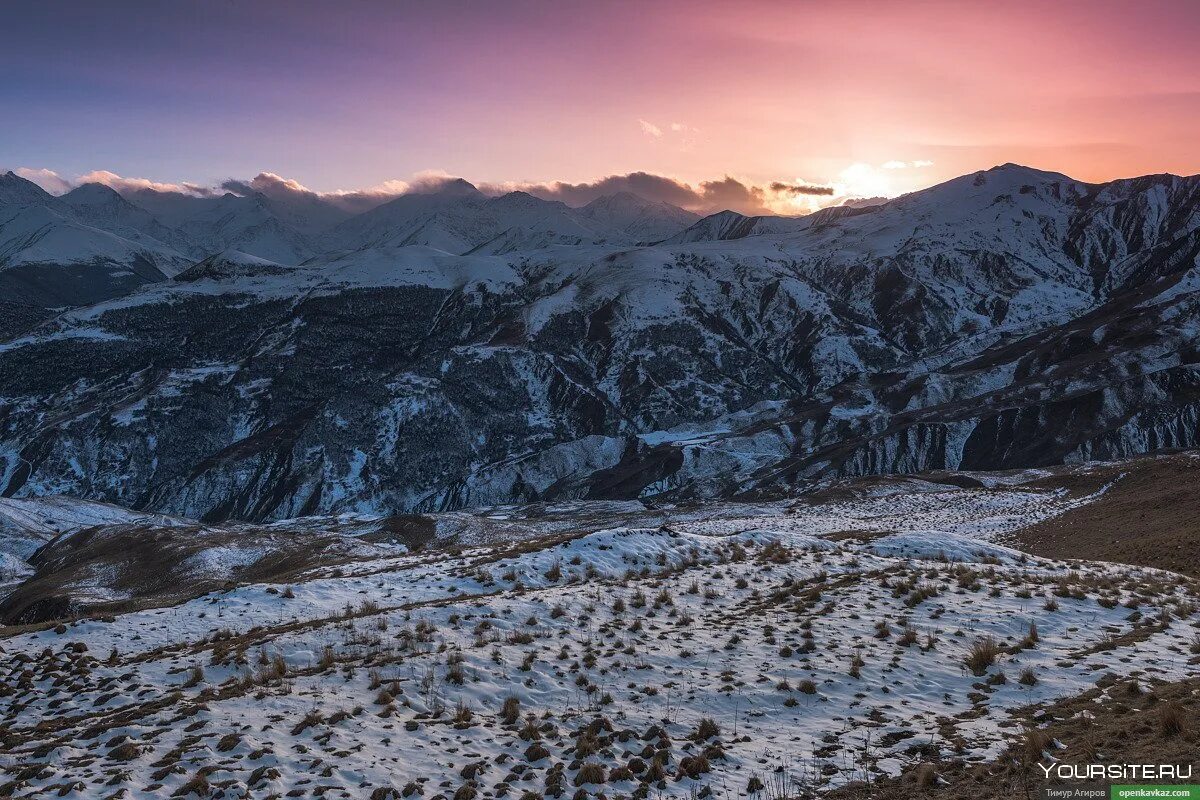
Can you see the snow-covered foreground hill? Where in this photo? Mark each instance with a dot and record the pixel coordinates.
(757, 650)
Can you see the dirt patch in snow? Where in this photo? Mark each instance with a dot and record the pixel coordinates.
(144, 566)
(1148, 516)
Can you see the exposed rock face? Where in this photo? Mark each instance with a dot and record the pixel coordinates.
(1007, 318)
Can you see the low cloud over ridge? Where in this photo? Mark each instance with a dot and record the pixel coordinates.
(704, 197)
(357, 200)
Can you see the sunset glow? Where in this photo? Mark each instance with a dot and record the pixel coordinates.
(865, 97)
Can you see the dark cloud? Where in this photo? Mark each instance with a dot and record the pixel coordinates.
(794, 189)
(710, 196)
(733, 195)
(651, 187)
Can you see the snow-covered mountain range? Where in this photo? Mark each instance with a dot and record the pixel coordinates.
(235, 357)
(94, 243)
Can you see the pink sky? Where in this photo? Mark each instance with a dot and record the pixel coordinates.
(823, 92)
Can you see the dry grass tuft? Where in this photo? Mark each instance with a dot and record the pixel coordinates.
(1171, 720)
(983, 654)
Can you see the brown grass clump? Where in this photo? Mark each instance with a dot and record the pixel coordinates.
(983, 654)
(692, 767)
(313, 717)
(510, 710)
(536, 752)
(1171, 720)
(126, 751)
(620, 774)
(590, 772)
(1035, 743)
(775, 552)
(856, 665)
(195, 676)
(198, 785)
(706, 729)
(925, 776)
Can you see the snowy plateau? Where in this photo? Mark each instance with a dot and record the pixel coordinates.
(886, 636)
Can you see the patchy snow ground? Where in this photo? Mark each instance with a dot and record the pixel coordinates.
(826, 641)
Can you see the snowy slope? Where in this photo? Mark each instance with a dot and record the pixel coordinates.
(49, 259)
(637, 218)
(732, 647)
(18, 192)
(457, 218)
(102, 207)
(40, 235)
(421, 218)
(246, 224)
(75, 250)
(26, 525)
(725, 225)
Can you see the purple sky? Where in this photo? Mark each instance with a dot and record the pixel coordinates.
(864, 95)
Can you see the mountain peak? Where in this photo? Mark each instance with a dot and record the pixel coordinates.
(637, 217)
(519, 196)
(1009, 169)
(629, 202)
(15, 190)
(454, 187)
(93, 193)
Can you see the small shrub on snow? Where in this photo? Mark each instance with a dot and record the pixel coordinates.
(707, 728)
(589, 773)
(983, 654)
(510, 710)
